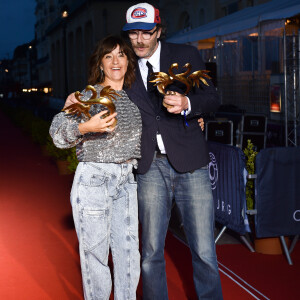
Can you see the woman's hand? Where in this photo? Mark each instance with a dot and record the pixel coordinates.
(98, 124)
(201, 123)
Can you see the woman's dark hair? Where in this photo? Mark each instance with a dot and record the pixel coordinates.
(105, 46)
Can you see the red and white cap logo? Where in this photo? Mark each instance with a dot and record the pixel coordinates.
(139, 13)
(142, 16)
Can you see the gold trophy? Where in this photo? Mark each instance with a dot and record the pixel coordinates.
(83, 107)
(161, 80)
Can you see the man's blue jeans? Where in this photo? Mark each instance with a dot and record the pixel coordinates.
(192, 192)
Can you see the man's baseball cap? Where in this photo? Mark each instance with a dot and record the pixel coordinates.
(142, 16)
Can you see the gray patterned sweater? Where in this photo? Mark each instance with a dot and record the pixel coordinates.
(119, 146)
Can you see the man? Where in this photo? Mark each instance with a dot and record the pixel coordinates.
(174, 163)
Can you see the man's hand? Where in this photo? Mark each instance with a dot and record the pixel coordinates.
(201, 123)
(178, 102)
(70, 100)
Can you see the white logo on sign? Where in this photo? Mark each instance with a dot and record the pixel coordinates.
(297, 217)
(213, 170)
(221, 206)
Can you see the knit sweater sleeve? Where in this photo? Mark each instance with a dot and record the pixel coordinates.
(64, 128)
(64, 131)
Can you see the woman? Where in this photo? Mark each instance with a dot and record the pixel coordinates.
(103, 196)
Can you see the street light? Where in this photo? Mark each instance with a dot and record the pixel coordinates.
(30, 66)
(64, 16)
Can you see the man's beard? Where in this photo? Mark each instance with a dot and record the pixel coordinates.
(140, 46)
(147, 47)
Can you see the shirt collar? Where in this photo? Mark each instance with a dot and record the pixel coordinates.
(154, 60)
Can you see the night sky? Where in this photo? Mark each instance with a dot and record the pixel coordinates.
(17, 21)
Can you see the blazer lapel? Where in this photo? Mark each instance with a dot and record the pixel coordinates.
(138, 93)
(165, 58)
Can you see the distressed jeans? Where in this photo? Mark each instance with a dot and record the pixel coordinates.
(105, 214)
(192, 193)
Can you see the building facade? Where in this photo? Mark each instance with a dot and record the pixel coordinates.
(24, 67)
(45, 12)
(73, 35)
(67, 31)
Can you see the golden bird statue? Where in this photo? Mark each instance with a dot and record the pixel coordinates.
(161, 80)
(195, 78)
(83, 107)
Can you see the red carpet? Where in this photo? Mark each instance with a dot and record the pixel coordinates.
(244, 275)
(39, 249)
(38, 245)
(269, 274)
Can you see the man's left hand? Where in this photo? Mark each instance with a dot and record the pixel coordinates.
(178, 102)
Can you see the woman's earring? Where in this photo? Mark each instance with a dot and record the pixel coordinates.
(101, 72)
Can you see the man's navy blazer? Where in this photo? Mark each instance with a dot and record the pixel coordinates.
(185, 145)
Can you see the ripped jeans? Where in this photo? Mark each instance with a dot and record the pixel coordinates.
(105, 213)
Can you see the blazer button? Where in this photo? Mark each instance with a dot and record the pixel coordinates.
(153, 139)
(157, 118)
